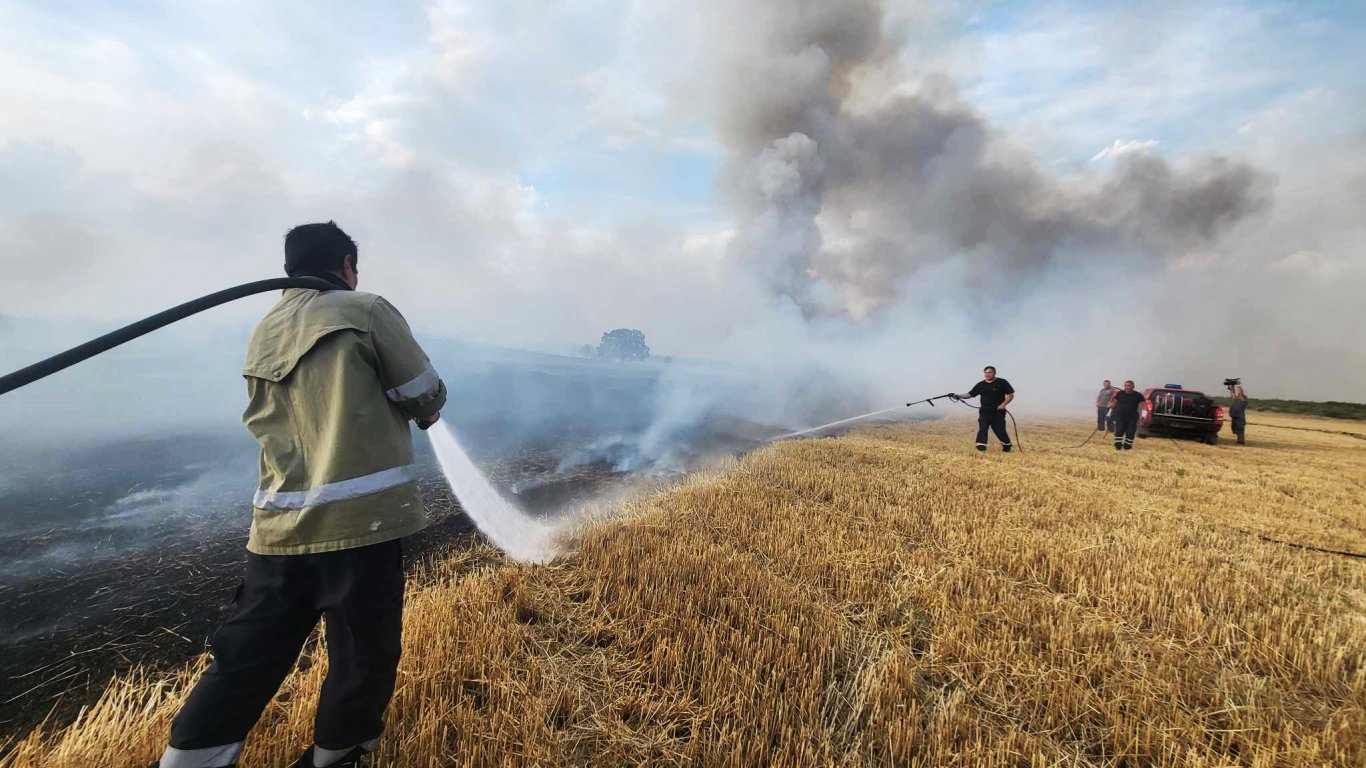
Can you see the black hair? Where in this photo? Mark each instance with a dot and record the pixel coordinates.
(318, 248)
(992, 367)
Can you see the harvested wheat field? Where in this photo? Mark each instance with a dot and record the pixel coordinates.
(889, 597)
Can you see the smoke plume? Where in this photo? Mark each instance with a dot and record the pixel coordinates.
(848, 173)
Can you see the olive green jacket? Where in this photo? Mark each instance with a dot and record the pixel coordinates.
(333, 379)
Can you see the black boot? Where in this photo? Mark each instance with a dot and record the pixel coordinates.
(356, 758)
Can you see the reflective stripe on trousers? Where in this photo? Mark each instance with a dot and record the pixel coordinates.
(208, 757)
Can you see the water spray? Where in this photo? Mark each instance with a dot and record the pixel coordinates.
(860, 417)
(849, 420)
(519, 535)
(930, 400)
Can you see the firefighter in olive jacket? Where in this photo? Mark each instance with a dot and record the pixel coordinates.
(333, 379)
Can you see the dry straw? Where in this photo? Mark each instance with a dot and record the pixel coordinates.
(886, 598)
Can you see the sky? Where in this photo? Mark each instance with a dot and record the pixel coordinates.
(904, 190)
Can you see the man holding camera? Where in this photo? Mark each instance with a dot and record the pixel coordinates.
(1237, 409)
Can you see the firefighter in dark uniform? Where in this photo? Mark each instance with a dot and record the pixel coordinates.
(996, 394)
(1124, 405)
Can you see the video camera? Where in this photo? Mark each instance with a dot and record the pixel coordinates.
(1232, 382)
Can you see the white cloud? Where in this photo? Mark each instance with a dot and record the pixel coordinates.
(1060, 74)
(1120, 148)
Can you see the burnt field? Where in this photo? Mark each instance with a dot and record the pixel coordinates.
(125, 553)
(71, 626)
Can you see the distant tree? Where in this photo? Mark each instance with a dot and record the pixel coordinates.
(623, 344)
(587, 350)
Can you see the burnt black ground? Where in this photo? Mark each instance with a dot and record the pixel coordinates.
(157, 609)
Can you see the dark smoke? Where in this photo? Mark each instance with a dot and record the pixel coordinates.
(845, 181)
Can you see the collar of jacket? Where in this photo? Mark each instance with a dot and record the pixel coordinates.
(329, 277)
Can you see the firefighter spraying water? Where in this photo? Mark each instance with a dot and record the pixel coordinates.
(996, 394)
(334, 376)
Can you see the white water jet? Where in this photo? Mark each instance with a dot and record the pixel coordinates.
(520, 536)
(836, 423)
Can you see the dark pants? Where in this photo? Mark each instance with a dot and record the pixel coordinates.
(1104, 420)
(1126, 426)
(996, 421)
(359, 592)
(1239, 427)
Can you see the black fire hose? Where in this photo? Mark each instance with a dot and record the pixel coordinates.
(60, 361)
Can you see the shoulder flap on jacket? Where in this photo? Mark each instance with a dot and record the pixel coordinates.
(297, 323)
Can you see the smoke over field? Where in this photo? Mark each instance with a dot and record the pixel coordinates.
(846, 185)
(535, 421)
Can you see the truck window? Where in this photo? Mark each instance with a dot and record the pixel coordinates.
(1171, 402)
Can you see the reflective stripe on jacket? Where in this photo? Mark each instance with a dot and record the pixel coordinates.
(333, 379)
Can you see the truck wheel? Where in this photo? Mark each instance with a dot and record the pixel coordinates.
(1212, 440)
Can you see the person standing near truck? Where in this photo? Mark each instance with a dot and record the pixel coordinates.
(1237, 411)
(1104, 421)
(1124, 408)
(996, 395)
